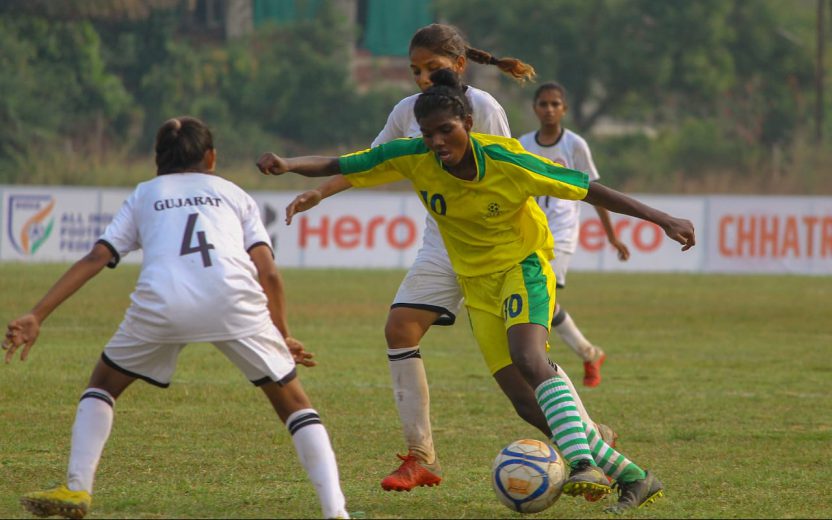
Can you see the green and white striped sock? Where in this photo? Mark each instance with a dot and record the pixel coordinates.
(613, 463)
(564, 420)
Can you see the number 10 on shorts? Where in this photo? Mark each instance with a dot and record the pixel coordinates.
(512, 306)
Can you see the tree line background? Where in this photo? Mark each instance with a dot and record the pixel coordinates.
(712, 95)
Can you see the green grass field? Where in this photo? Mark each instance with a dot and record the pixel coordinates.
(720, 384)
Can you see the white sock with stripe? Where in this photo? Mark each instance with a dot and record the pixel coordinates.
(93, 422)
(317, 458)
(564, 420)
(410, 389)
(565, 326)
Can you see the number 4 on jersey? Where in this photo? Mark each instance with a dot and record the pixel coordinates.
(202, 245)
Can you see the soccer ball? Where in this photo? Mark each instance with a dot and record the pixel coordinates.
(528, 476)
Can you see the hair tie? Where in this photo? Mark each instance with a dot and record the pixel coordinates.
(493, 61)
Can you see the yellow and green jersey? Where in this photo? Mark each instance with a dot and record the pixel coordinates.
(490, 223)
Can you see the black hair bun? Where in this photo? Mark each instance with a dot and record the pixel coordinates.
(446, 78)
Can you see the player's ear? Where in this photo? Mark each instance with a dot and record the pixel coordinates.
(209, 160)
(468, 122)
(461, 63)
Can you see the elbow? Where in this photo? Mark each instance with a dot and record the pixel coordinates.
(270, 280)
(271, 277)
(334, 167)
(99, 257)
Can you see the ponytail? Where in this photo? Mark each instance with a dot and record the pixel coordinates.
(517, 69)
(446, 40)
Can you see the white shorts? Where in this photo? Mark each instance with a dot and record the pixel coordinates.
(263, 358)
(431, 285)
(560, 265)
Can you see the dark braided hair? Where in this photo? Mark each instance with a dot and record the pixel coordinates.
(446, 93)
(446, 40)
(181, 144)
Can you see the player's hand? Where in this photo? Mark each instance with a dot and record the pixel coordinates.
(271, 164)
(623, 252)
(22, 332)
(680, 230)
(304, 201)
(299, 353)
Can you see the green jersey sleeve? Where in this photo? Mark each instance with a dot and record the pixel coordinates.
(386, 163)
(540, 176)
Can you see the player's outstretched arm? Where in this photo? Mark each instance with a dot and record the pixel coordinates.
(23, 331)
(678, 229)
(620, 247)
(272, 283)
(308, 166)
(309, 199)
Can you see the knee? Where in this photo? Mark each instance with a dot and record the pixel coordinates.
(401, 334)
(524, 361)
(534, 368)
(109, 379)
(286, 399)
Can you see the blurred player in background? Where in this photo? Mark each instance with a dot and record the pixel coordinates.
(208, 275)
(429, 294)
(565, 147)
(479, 187)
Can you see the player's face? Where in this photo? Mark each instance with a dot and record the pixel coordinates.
(550, 107)
(447, 135)
(423, 62)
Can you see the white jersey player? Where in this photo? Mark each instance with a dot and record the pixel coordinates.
(430, 282)
(430, 293)
(208, 275)
(567, 148)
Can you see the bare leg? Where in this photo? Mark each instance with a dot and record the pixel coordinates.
(527, 347)
(521, 395)
(286, 399)
(109, 379)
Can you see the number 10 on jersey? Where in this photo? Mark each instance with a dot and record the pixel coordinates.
(435, 202)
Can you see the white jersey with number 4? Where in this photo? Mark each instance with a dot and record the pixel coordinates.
(197, 281)
(564, 215)
(489, 118)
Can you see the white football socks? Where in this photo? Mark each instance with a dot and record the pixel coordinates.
(410, 389)
(93, 422)
(572, 336)
(317, 458)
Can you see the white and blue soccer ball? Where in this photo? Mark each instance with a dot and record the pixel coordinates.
(528, 476)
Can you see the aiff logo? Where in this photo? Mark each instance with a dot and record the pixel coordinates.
(30, 221)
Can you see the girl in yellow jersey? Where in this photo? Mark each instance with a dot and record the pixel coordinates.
(478, 188)
(429, 294)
